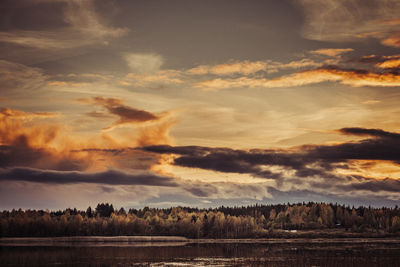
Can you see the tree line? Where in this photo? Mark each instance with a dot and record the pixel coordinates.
(223, 222)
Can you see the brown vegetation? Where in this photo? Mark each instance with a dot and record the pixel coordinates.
(223, 222)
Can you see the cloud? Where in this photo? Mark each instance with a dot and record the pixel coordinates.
(126, 114)
(144, 63)
(16, 78)
(371, 102)
(12, 129)
(98, 115)
(157, 79)
(83, 27)
(29, 139)
(227, 160)
(332, 52)
(109, 177)
(300, 195)
(117, 178)
(338, 164)
(82, 16)
(355, 78)
(150, 128)
(295, 169)
(18, 114)
(156, 134)
(393, 40)
(369, 132)
(25, 142)
(242, 67)
(372, 185)
(389, 64)
(199, 70)
(250, 67)
(297, 64)
(348, 20)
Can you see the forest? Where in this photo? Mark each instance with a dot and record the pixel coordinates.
(254, 221)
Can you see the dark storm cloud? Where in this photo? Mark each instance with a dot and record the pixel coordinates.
(306, 161)
(369, 132)
(219, 159)
(110, 177)
(368, 149)
(19, 155)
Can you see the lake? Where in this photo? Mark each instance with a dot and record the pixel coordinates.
(205, 252)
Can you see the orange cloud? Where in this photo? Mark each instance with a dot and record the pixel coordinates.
(389, 64)
(200, 70)
(27, 141)
(393, 40)
(242, 67)
(332, 52)
(70, 84)
(156, 134)
(13, 113)
(297, 64)
(390, 21)
(348, 77)
(250, 67)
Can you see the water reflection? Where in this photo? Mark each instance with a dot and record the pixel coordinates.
(211, 254)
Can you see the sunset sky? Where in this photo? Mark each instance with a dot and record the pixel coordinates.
(199, 103)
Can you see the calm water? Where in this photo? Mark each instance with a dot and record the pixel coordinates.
(205, 254)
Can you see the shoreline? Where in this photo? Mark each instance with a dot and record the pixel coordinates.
(132, 241)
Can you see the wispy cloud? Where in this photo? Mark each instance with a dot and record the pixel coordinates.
(85, 27)
(332, 52)
(247, 68)
(339, 20)
(356, 78)
(241, 67)
(157, 79)
(17, 78)
(18, 114)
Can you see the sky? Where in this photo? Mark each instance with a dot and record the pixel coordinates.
(199, 103)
